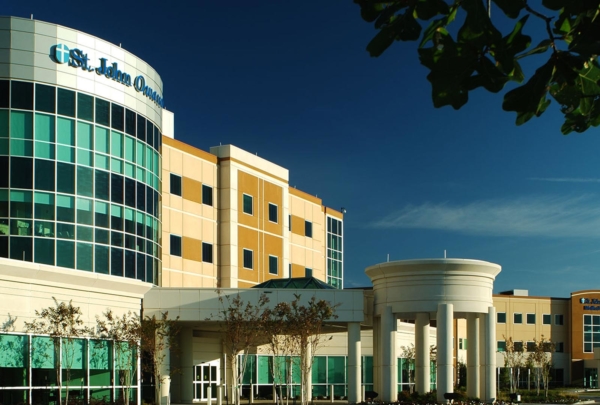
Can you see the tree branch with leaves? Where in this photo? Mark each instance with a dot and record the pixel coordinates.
(63, 324)
(477, 54)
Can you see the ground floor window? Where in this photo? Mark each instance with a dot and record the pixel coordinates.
(33, 368)
(267, 374)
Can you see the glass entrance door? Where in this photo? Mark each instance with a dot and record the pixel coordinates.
(206, 375)
(591, 378)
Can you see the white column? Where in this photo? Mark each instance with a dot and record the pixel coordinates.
(165, 376)
(422, 355)
(376, 354)
(482, 357)
(354, 358)
(445, 320)
(389, 381)
(187, 366)
(490, 363)
(472, 355)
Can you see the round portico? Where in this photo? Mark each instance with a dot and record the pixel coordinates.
(440, 290)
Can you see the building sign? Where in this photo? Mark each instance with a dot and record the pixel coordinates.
(78, 59)
(594, 301)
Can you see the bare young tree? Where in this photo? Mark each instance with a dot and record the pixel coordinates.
(514, 360)
(242, 326)
(158, 337)
(541, 358)
(63, 324)
(126, 332)
(295, 331)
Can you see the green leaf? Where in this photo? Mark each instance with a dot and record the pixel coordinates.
(539, 48)
(451, 68)
(555, 4)
(504, 51)
(437, 26)
(427, 9)
(381, 42)
(388, 14)
(477, 30)
(530, 99)
(511, 8)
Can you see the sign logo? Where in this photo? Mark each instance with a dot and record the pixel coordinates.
(78, 59)
(61, 53)
(595, 304)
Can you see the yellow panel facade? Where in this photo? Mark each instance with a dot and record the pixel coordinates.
(188, 217)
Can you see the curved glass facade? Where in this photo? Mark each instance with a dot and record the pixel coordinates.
(79, 182)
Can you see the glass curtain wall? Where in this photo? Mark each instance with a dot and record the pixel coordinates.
(335, 270)
(79, 182)
(30, 373)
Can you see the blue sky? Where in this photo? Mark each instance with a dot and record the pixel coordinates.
(292, 82)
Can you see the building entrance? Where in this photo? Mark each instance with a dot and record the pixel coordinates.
(206, 375)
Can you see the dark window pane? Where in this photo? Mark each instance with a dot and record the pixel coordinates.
(140, 245)
(44, 175)
(116, 238)
(207, 252)
(4, 205)
(308, 229)
(65, 178)
(156, 135)
(4, 171)
(248, 204)
(130, 192)
(141, 128)
(4, 96)
(85, 256)
(44, 251)
(65, 254)
(116, 262)
(129, 264)
(65, 208)
(149, 133)
(116, 188)
(101, 236)
(65, 231)
(21, 248)
(248, 259)
(175, 184)
(102, 112)
(45, 98)
(130, 122)
(149, 201)
(273, 217)
(141, 197)
(117, 116)
(102, 185)
(130, 242)
(21, 205)
(4, 246)
(141, 267)
(149, 270)
(155, 203)
(85, 107)
(207, 195)
(21, 173)
(85, 182)
(175, 245)
(22, 95)
(66, 102)
(101, 259)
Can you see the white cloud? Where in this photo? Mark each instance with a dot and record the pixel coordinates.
(567, 179)
(533, 216)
